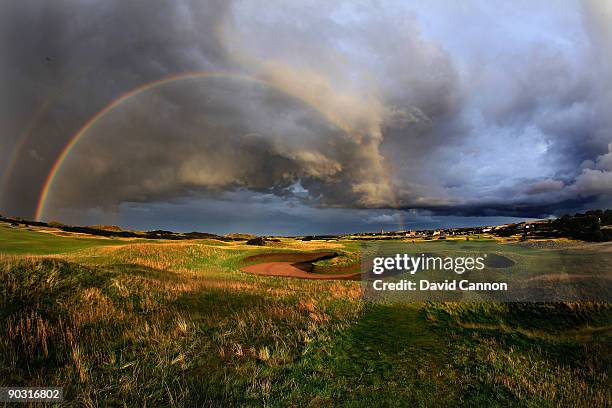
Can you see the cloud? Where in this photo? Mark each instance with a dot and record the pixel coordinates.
(594, 182)
(597, 179)
(306, 121)
(363, 105)
(64, 61)
(385, 219)
(545, 186)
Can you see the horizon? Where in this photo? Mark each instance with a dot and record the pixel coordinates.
(463, 222)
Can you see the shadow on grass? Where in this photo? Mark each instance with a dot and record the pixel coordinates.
(391, 356)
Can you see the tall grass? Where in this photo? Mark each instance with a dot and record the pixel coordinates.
(177, 324)
(151, 333)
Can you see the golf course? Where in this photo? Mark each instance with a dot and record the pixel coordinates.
(205, 322)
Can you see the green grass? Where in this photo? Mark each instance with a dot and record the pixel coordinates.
(390, 356)
(178, 324)
(530, 354)
(20, 241)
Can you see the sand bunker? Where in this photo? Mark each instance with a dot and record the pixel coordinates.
(287, 269)
(298, 266)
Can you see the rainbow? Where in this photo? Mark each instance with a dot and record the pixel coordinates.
(74, 140)
(27, 132)
(22, 138)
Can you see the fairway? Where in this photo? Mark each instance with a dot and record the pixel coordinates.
(178, 323)
(21, 241)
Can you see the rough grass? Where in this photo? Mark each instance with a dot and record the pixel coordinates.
(532, 354)
(177, 324)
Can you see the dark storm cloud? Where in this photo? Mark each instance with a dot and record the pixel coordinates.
(525, 209)
(335, 156)
(64, 60)
(355, 106)
(196, 144)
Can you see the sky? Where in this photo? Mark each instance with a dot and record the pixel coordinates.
(304, 117)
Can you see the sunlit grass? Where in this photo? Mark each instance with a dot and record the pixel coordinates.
(178, 324)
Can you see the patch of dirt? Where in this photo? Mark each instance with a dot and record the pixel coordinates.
(296, 265)
(287, 269)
